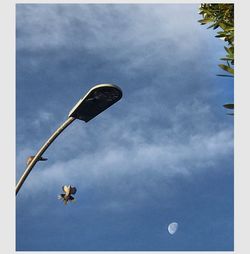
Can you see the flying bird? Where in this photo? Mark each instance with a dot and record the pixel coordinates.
(69, 191)
(30, 158)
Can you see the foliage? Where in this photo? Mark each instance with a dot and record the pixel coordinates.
(221, 16)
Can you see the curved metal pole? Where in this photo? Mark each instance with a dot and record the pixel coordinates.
(41, 151)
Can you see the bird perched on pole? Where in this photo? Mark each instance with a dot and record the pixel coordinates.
(69, 191)
(30, 158)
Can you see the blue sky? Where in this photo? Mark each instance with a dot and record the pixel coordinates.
(163, 153)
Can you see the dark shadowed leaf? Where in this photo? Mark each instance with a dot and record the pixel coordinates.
(225, 75)
(220, 35)
(229, 106)
(227, 58)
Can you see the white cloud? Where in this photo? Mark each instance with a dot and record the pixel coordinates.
(152, 137)
(164, 153)
(42, 117)
(125, 31)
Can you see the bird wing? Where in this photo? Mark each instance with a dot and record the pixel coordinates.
(65, 188)
(61, 196)
(71, 198)
(72, 190)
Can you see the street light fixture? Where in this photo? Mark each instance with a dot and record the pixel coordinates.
(98, 99)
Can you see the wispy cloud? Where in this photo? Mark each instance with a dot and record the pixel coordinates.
(128, 40)
(145, 157)
(42, 118)
(159, 131)
(83, 25)
(127, 149)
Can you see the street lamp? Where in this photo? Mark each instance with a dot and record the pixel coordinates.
(98, 99)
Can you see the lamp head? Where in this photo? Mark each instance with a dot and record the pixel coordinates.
(98, 99)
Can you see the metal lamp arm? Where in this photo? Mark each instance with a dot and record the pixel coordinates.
(41, 151)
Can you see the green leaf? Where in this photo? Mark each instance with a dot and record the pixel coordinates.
(226, 68)
(223, 26)
(205, 20)
(230, 55)
(231, 50)
(229, 29)
(226, 49)
(221, 32)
